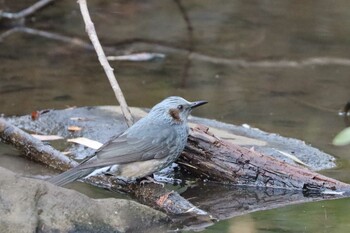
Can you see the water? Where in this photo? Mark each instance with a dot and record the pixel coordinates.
(279, 86)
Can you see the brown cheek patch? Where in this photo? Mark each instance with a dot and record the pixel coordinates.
(175, 114)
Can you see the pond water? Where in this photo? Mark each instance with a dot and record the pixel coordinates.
(281, 66)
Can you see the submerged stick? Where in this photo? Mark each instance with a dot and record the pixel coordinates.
(26, 12)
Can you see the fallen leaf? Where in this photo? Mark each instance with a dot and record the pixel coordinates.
(47, 137)
(74, 128)
(35, 115)
(294, 158)
(86, 142)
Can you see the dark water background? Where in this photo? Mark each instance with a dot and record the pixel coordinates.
(281, 66)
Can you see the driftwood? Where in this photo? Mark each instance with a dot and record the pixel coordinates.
(214, 159)
(33, 148)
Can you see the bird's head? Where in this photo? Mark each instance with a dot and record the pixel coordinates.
(176, 109)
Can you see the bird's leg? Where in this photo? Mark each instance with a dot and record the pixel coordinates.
(121, 181)
(118, 180)
(150, 179)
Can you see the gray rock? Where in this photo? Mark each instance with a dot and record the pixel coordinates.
(28, 205)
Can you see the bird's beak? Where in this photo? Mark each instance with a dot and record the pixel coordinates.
(197, 103)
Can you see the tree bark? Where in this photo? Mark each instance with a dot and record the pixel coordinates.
(33, 148)
(214, 159)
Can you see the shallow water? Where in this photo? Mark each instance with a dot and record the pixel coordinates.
(270, 64)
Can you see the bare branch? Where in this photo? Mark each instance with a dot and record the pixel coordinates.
(28, 11)
(8, 33)
(90, 29)
(56, 36)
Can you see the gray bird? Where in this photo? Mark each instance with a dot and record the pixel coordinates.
(151, 144)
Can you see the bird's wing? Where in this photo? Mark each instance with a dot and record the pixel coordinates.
(127, 149)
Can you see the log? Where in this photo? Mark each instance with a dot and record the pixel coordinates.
(209, 157)
(33, 148)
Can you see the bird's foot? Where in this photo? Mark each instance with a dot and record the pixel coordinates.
(150, 180)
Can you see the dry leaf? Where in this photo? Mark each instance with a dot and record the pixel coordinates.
(74, 128)
(86, 142)
(294, 158)
(47, 137)
(35, 115)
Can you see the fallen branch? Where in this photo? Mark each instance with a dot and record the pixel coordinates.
(211, 158)
(33, 148)
(26, 12)
(163, 199)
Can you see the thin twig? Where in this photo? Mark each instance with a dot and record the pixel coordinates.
(28, 11)
(53, 36)
(56, 36)
(90, 29)
(8, 33)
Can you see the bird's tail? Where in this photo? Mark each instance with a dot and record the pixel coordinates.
(70, 176)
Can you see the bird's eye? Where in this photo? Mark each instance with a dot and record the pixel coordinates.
(180, 107)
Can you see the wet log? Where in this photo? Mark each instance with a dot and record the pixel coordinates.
(33, 148)
(211, 158)
(153, 195)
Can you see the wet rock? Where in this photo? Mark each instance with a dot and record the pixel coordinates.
(28, 205)
(102, 122)
(270, 144)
